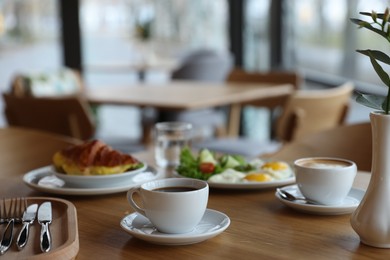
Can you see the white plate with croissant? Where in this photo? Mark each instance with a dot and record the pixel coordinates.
(90, 167)
(94, 164)
(93, 181)
(42, 179)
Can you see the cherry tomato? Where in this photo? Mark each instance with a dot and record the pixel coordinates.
(206, 167)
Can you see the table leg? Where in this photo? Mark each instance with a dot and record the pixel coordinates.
(142, 75)
(234, 120)
(147, 134)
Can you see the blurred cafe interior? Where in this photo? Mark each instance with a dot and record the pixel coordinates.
(270, 80)
(128, 42)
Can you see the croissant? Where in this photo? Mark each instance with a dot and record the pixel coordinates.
(93, 158)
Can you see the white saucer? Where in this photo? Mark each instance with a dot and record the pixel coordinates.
(212, 224)
(34, 179)
(348, 206)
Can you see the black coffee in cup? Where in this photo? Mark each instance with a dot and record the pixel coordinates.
(175, 189)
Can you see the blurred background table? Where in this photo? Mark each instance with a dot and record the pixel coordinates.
(189, 95)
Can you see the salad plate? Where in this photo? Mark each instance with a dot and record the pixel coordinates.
(349, 204)
(229, 171)
(43, 179)
(212, 224)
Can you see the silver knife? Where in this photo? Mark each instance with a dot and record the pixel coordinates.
(27, 219)
(7, 237)
(44, 218)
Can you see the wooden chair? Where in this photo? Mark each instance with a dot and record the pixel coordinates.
(353, 142)
(56, 83)
(305, 112)
(278, 77)
(70, 116)
(309, 111)
(274, 77)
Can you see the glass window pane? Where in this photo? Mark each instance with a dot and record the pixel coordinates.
(29, 39)
(125, 33)
(322, 40)
(256, 35)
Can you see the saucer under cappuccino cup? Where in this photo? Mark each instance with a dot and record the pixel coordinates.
(173, 205)
(325, 180)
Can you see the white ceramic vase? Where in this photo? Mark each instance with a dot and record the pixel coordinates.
(371, 220)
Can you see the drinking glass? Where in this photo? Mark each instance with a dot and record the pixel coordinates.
(170, 138)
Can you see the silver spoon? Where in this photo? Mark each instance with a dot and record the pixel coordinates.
(288, 196)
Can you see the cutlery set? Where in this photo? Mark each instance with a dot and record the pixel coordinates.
(18, 212)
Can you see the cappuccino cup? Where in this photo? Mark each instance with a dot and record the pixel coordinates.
(325, 180)
(173, 205)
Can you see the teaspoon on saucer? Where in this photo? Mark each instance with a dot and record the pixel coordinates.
(290, 197)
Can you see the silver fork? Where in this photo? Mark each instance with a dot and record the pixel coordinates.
(11, 215)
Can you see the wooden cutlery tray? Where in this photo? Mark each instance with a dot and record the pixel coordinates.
(64, 233)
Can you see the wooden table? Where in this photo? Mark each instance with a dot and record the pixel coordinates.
(261, 227)
(189, 95)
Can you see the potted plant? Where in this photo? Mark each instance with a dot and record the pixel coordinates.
(380, 25)
(371, 219)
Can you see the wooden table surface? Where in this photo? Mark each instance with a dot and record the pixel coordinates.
(188, 95)
(261, 226)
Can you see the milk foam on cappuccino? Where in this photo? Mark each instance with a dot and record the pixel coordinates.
(324, 163)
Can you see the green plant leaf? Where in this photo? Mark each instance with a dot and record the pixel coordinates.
(379, 70)
(371, 100)
(367, 25)
(366, 13)
(382, 28)
(386, 103)
(379, 15)
(388, 32)
(359, 22)
(378, 55)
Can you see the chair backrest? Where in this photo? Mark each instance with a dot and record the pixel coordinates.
(69, 115)
(353, 142)
(309, 111)
(278, 77)
(47, 84)
(274, 77)
(204, 65)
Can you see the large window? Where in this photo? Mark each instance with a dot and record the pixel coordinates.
(29, 39)
(317, 38)
(324, 39)
(256, 35)
(118, 34)
(28, 36)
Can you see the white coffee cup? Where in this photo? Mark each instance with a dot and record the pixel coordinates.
(325, 180)
(173, 205)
